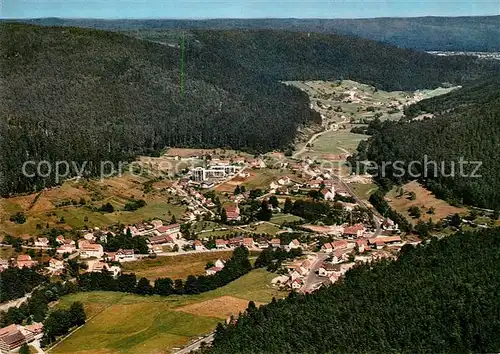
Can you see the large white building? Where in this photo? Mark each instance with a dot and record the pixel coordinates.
(201, 174)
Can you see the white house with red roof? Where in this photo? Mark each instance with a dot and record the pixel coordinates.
(293, 244)
(275, 242)
(232, 212)
(198, 246)
(327, 247)
(220, 244)
(248, 242)
(24, 260)
(124, 255)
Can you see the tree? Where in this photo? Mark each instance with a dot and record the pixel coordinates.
(414, 211)
(412, 195)
(144, 287)
(18, 218)
(77, 314)
(496, 214)
(273, 200)
(24, 349)
(173, 220)
(237, 190)
(431, 210)
(56, 324)
(264, 214)
(223, 216)
(164, 286)
(107, 208)
(456, 220)
(287, 209)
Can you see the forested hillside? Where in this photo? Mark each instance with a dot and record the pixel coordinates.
(286, 55)
(84, 95)
(81, 95)
(466, 125)
(438, 298)
(474, 33)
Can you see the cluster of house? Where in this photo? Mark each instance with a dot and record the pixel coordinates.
(21, 261)
(196, 202)
(14, 336)
(297, 271)
(250, 243)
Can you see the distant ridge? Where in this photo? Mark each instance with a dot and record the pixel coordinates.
(474, 33)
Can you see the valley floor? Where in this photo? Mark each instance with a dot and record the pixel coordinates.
(127, 323)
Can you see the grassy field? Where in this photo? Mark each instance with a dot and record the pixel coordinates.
(334, 143)
(424, 200)
(364, 190)
(282, 218)
(263, 177)
(175, 267)
(263, 228)
(125, 323)
(49, 206)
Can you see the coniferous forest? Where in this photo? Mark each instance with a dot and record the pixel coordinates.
(87, 96)
(466, 125)
(441, 297)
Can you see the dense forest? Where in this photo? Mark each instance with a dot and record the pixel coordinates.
(472, 33)
(466, 126)
(87, 96)
(441, 297)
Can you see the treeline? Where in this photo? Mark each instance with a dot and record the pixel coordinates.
(477, 33)
(60, 322)
(436, 298)
(454, 154)
(15, 282)
(36, 307)
(234, 268)
(317, 211)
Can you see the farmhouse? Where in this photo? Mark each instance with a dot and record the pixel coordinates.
(275, 242)
(327, 269)
(171, 230)
(161, 240)
(380, 242)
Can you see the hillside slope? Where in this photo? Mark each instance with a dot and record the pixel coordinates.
(88, 96)
(83, 95)
(438, 298)
(474, 33)
(466, 126)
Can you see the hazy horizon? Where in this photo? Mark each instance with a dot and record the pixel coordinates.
(238, 9)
